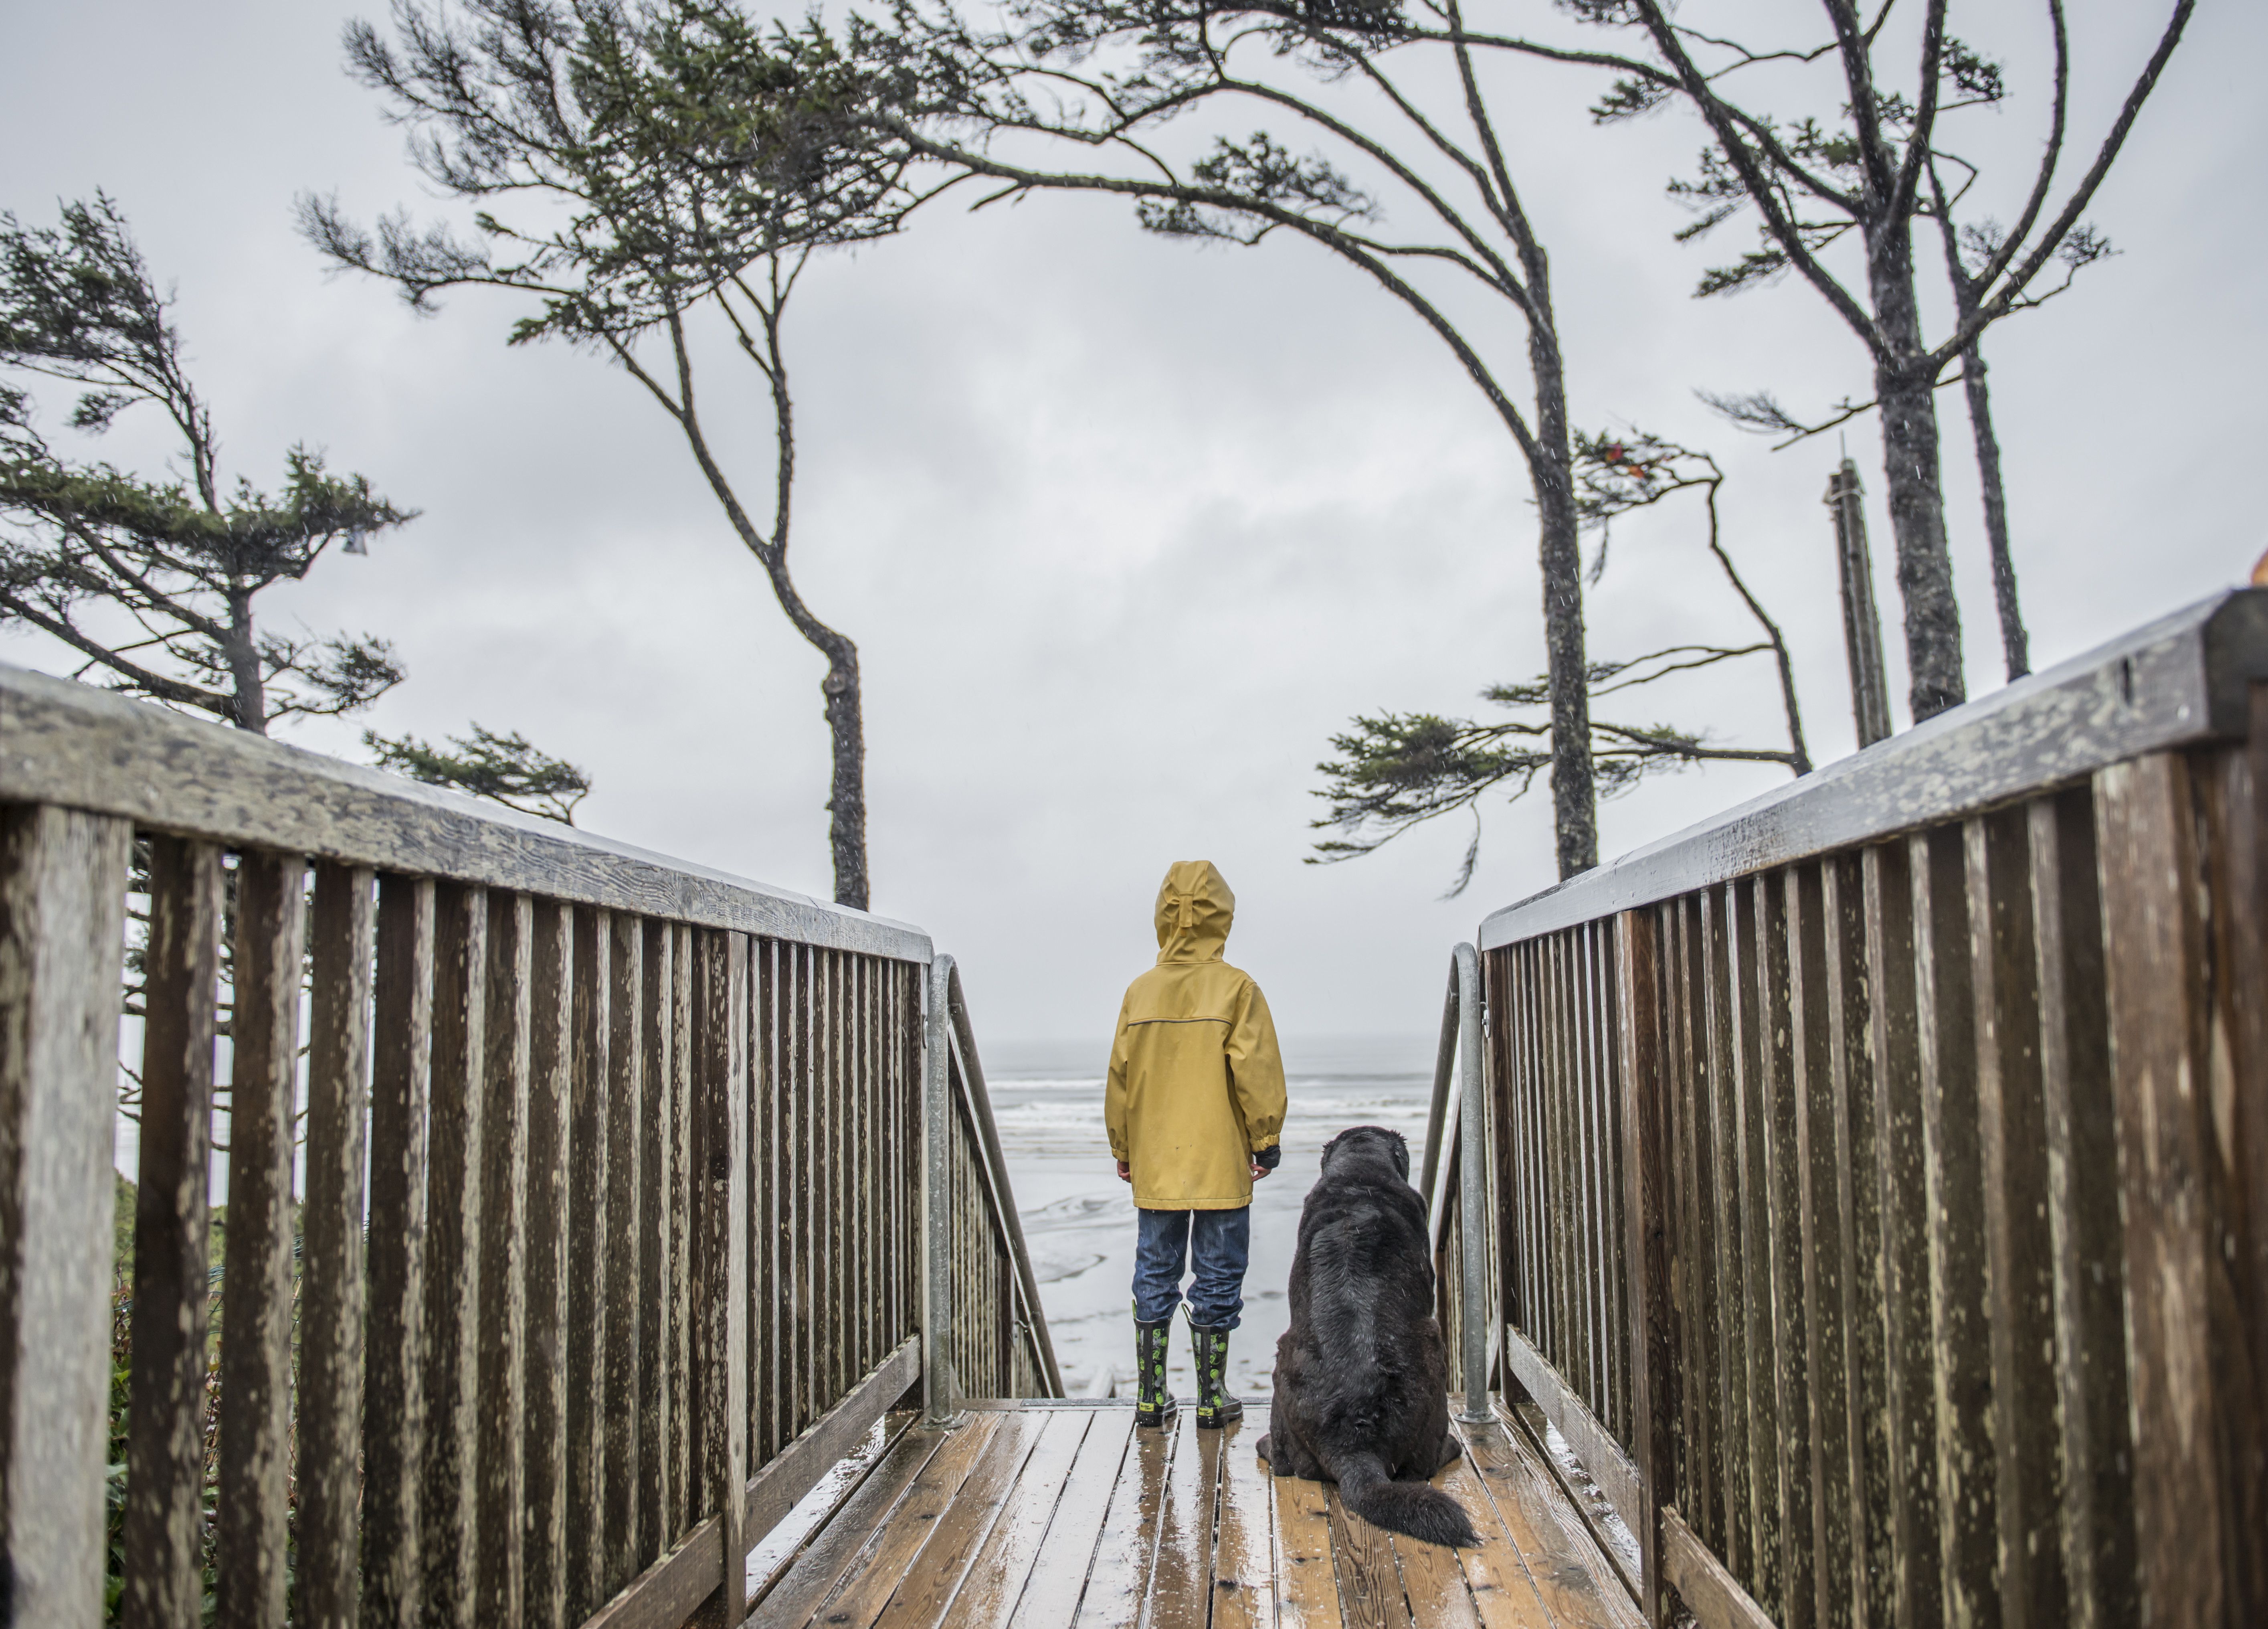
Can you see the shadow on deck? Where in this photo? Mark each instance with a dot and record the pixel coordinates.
(1056, 1514)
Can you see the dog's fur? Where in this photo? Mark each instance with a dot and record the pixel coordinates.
(1362, 1376)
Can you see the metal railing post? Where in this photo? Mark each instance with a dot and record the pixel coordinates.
(938, 1392)
(1472, 1181)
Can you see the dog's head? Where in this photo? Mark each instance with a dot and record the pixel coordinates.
(1361, 1145)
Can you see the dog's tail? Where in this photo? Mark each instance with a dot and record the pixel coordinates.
(1418, 1508)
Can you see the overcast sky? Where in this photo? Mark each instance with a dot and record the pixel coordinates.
(1125, 529)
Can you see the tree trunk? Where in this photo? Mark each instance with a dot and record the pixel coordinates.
(1574, 792)
(2015, 644)
(1910, 469)
(244, 665)
(847, 805)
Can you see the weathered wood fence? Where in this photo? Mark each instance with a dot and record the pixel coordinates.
(578, 1216)
(1878, 1172)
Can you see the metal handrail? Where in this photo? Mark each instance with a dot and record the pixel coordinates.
(951, 1038)
(1461, 1035)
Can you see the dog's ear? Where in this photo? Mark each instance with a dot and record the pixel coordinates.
(1400, 1155)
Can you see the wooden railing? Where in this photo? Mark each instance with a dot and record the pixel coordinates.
(575, 1217)
(1879, 1172)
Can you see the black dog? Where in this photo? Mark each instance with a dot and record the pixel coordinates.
(1362, 1376)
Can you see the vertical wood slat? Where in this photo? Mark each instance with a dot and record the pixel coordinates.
(1689, 1170)
(1909, 1407)
(722, 1257)
(333, 1310)
(165, 1482)
(63, 892)
(1869, 1586)
(394, 1421)
(658, 1525)
(255, 1341)
(2082, 1164)
(2004, 967)
(1953, 1173)
(1820, 1252)
(625, 1119)
(552, 1202)
(1786, 1224)
(502, 1483)
(588, 1246)
(1735, 1542)
(1750, 1093)
(1653, 1378)
(687, 1501)
(762, 1233)
(453, 1256)
(2198, 1437)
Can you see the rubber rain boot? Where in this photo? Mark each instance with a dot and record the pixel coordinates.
(1153, 1403)
(1215, 1407)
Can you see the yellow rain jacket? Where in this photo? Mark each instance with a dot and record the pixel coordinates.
(1196, 1086)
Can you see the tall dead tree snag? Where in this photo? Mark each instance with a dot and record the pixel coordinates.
(1862, 623)
(1815, 184)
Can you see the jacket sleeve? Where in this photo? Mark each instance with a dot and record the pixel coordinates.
(1256, 1069)
(1114, 1092)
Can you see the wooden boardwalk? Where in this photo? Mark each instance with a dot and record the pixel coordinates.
(1053, 1516)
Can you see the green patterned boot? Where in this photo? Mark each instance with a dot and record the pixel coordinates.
(1153, 1403)
(1215, 1407)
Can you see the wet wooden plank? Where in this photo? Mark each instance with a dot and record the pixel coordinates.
(256, 1340)
(863, 1587)
(1954, 1182)
(1751, 1096)
(721, 1257)
(165, 1446)
(1821, 1253)
(1243, 1558)
(1127, 1546)
(1907, 1407)
(996, 1578)
(2179, 1132)
(815, 1572)
(776, 1488)
(1573, 1580)
(2090, 1268)
(1307, 1570)
(1180, 1582)
(625, 1227)
(589, 1144)
(63, 892)
(1868, 1587)
(1370, 1584)
(502, 1413)
(1058, 1576)
(2028, 1472)
(934, 1578)
(1720, 1146)
(551, 1204)
(453, 1258)
(331, 1312)
(1434, 1584)
(1647, 1200)
(394, 1418)
(657, 1523)
(1504, 1592)
(1714, 1594)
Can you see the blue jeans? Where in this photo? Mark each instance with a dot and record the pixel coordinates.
(1217, 1244)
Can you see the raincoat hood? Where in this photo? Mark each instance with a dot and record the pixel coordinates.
(1195, 910)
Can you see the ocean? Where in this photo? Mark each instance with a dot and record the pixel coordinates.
(1079, 1218)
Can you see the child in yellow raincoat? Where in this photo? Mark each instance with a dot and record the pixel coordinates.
(1195, 1110)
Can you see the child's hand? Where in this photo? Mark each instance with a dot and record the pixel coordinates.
(1260, 1170)
(1125, 1172)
